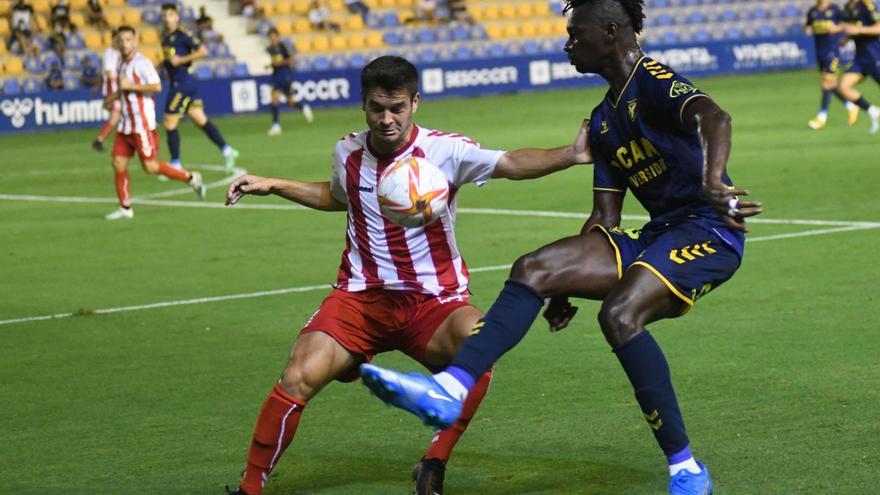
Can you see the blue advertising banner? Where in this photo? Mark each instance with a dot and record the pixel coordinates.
(81, 108)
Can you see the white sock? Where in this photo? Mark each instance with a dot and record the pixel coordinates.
(850, 104)
(822, 115)
(874, 112)
(452, 386)
(227, 150)
(690, 464)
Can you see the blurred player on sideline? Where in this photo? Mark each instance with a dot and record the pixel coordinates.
(823, 23)
(180, 50)
(282, 82)
(138, 81)
(109, 64)
(862, 24)
(398, 288)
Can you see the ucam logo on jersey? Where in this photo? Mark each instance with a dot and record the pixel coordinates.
(768, 55)
(686, 60)
(19, 110)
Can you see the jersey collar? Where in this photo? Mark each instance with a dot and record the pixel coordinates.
(393, 155)
(616, 101)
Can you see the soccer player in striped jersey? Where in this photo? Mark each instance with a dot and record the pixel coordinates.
(823, 22)
(109, 63)
(862, 24)
(398, 288)
(137, 82)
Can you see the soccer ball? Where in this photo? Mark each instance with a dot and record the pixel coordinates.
(413, 192)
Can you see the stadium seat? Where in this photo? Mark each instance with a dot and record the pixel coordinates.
(510, 30)
(357, 61)
(78, 4)
(524, 10)
(31, 85)
(461, 33)
(507, 11)
(357, 41)
(387, 4)
(303, 64)
(4, 28)
(284, 27)
(339, 62)
(392, 38)
(302, 45)
(374, 40)
(75, 41)
(72, 61)
(320, 44)
(33, 64)
(150, 16)
(11, 87)
(42, 23)
(71, 82)
(283, 8)
(321, 62)
(114, 17)
(107, 38)
(240, 69)
(203, 71)
(491, 13)
(669, 37)
(495, 31)
(528, 29)
(300, 7)
(428, 55)
(425, 35)
(223, 71)
(132, 17)
(267, 9)
(2, 53)
(354, 23)
(389, 19)
(338, 43)
(5, 7)
(497, 50)
(301, 26)
(41, 6)
(136, 3)
(541, 9)
(335, 5)
(14, 66)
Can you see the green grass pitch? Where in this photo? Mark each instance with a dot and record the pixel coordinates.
(777, 372)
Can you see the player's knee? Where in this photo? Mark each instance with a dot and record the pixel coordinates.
(295, 381)
(531, 270)
(151, 167)
(618, 323)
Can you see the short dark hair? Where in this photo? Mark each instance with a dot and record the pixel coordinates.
(391, 74)
(125, 28)
(635, 9)
(272, 31)
(169, 6)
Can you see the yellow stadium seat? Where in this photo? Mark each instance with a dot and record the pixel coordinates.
(406, 4)
(302, 25)
(510, 30)
(507, 11)
(372, 4)
(475, 12)
(494, 31)
(2, 69)
(41, 6)
(282, 7)
(405, 16)
(153, 54)
(545, 28)
(300, 7)
(93, 40)
(302, 44)
(267, 9)
(149, 36)
(524, 10)
(357, 41)
(78, 4)
(336, 5)
(106, 38)
(2, 52)
(114, 17)
(42, 23)
(5, 7)
(354, 23)
(4, 29)
(284, 27)
(374, 39)
(491, 13)
(338, 43)
(132, 17)
(77, 19)
(387, 4)
(560, 27)
(320, 44)
(528, 29)
(115, 3)
(541, 9)
(14, 67)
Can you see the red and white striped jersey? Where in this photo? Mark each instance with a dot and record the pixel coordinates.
(110, 64)
(138, 110)
(381, 254)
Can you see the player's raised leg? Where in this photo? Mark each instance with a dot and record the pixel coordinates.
(148, 151)
(197, 113)
(848, 83)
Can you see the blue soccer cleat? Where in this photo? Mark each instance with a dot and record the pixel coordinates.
(687, 483)
(418, 394)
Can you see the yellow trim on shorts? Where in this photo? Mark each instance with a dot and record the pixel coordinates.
(614, 245)
(687, 300)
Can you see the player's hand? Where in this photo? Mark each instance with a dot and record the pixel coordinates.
(176, 61)
(559, 313)
(248, 184)
(852, 29)
(582, 144)
(125, 83)
(725, 201)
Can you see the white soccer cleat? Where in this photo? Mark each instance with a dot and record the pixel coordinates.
(275, 130)
(119, 213)
(307, 113)
(874, 113)
(195, 182)
(230, 154)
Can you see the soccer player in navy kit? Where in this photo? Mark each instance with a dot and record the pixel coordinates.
(862, 25)
(658, 136)
(282, 81)
(823, 22)
(180, 50)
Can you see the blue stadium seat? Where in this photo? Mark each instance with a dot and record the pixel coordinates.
(204, 71)
(390, 19)
(71, 82)
(392, 38)
(697, 17)
(556, 7)
(11, 87)
(49, 58)
(151, 16)
(790, 11)
(31, 85)
(75, 41)
(462, 52)
(425, 35)
(461, 33)
(321, 62)
(72, 61)
(728, 15)
(339, 62)
(33, 64)
(702, 35)
(135, 3)
(357, 60)
(188, 14)
(428, 55)
(758, 13)
(661, 4)
(223, 71)
(513, 48)
(551, 45)
(240, 70)
(303, 64)
(409, 36)
(443, 34)
(479, 51)
(374, 20)
(478, 32)
(669, 37)
(733, 32)
(665, 20)
(497, 50)
(264, 27)
(96, 60)
(765, 31)
(530, 47)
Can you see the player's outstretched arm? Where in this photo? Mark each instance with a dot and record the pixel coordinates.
(314, 195)
(858, 30)
(713, 125)
(531, 163)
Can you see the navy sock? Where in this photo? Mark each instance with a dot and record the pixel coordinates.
(274, 114)
(863, 103)
(826, 99)
(214, 134)
(840, 96)
(174, 144)
(503, 327)
(648, 372)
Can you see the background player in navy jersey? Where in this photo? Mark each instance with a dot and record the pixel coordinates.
(180, 50)
(823, 22)
(661, 138)
(862, 25)
(282, 81)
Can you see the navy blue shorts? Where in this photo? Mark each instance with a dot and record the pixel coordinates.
(180, 99)
(283, 85)
(866, 67)
(829, 64)
(687, 257)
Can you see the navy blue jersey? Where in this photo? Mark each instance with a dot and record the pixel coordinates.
(639, 142)
(278, 54)
(864, 13)
(179, 43)
(821, 21)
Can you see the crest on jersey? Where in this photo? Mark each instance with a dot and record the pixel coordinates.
(631, 109)
(604, 127)
(679, 88)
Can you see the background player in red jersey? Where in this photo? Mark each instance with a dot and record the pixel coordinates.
(138, 82)
(109, 65)
(398, 288)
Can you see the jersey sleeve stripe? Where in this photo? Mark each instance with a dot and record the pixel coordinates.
(686, 103)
